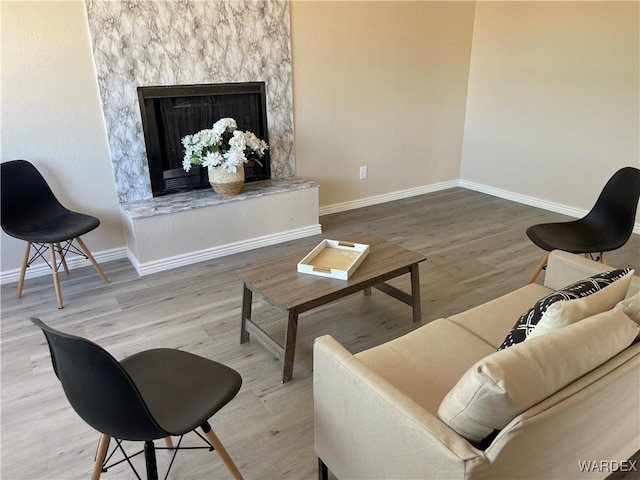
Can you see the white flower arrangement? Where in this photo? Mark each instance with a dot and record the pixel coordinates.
(222, 146)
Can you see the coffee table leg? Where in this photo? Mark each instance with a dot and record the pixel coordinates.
(367, 291)
(415, 292)
(290, 346)
(247, 297)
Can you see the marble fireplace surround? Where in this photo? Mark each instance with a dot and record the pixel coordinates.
(167, 42)
(141, 43)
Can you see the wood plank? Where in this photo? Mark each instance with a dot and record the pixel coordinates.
(265, 339)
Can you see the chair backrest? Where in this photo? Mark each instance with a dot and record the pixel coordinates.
(98, 388)
(24, 192)
(615, 208)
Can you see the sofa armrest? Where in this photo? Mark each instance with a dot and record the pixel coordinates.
(595, 418)
(367, 428)
(564, 268)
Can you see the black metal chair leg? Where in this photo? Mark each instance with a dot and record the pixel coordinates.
(150, 460)
(323, 471)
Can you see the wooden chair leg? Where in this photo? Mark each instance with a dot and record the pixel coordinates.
(63, 259)
(543, 263)
(91, 259)
(213, 439)
(23, 271)
(103, 445)
(54, 270)
(168, 441)
(602, 259)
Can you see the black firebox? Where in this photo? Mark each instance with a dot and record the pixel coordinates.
(171, 112)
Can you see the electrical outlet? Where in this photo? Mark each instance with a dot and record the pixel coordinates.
(363, 172)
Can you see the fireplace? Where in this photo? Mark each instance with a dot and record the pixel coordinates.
(171, 112)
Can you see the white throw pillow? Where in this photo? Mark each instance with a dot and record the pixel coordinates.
(563, 313)
(608, 288)
(506, 383)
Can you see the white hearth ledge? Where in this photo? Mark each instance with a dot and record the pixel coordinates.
(185, 228)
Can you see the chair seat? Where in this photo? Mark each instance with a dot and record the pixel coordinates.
(52, 226)
(181, 390)
(575, 237)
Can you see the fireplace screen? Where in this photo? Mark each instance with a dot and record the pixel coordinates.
(170, 113)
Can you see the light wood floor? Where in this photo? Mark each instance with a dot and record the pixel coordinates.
(476, 250)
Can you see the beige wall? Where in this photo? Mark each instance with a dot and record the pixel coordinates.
(553, 101)
(381, 84)
(51, 115)
(553, 96)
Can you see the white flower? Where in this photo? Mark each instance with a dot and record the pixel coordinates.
(254, 143)
(206, 147)
(212, 159)
(233, 158)
(223, 125)
(237, 141)
(187, 141)
(206, 138)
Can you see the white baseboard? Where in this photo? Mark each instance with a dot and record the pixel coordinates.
(531, 201)
(243, 246)
(39, 270)
(478, 187)
(222, 250)
(386, 197)
(42, 269)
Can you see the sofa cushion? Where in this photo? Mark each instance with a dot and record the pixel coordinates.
(631, 307)
(427, 362)
(565, 268)
(492, 320)
(574, 302)
(506, 383)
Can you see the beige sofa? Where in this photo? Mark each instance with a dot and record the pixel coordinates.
(376, 412)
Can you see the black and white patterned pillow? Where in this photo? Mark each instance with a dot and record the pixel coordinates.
(529, 319)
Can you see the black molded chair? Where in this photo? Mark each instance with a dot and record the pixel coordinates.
(606, 227)
(31, 212)
(153, 394)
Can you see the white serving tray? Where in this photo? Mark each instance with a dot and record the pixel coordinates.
(334, 259)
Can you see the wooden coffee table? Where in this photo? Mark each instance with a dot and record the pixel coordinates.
(280, 284)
